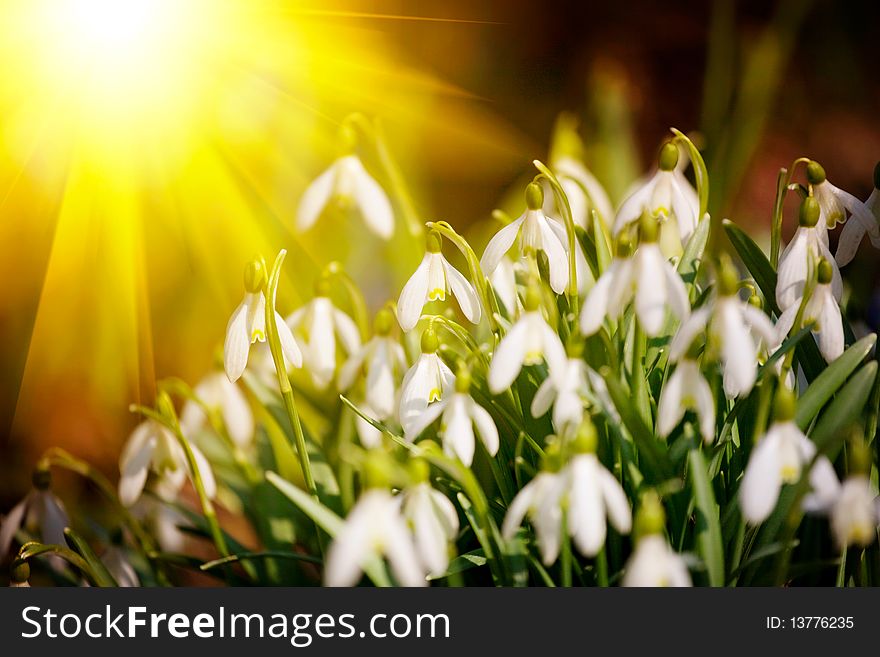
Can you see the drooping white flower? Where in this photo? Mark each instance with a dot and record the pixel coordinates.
(40, 512)
(853, 232)
(529, 341)
(153, 447)
(655, 564)
(853, 508)
(541, 500)
(117, 563)
(434, 524)
(583, 190)
(778, 458)
(432, 280)
(536, 232)
(316, 327)
(667, 198)
(384, 361)
(808, 246)
(503, 281)
(425, 383)
(645, 277)
(373, 529)
(247, 325)
(686, 389)
(735, 328)
(219, 394)
(594, 494)
(822, 311)
(347, 183)
(459, 415)
(564, 389)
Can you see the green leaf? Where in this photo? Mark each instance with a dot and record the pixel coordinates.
(846, 409)
(708, 526)
(246, 556)
(603, 248)
(99, 571)
(463, 562)
(830, 380)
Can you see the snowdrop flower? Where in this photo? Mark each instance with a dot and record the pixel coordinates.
(645, 276)
(536, 232)
(583, 190)
(594, 493)
(687, 389)
(219, 394)
(503, 281)
(527, 342)
(384, 360)
(153, 447)
(347, 183)
(853, 232)
(460, 414)
(732, 326)
(541, 500)
(654, 563)
(563, 390)
(665, 199)
(778, 459)
(40, 512)
(248, 325)
(116, 561)
(425, 383)
(822, 311)
(315, 327)
(807, 247)
(374, 528)
(433, 520)
(432, 280)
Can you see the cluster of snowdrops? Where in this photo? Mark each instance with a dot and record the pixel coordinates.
(603, 397)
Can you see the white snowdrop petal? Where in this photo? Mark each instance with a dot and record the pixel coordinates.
(237, 344)
(616, 502)
(499, 245)
(670, 409)
(348, 332)
(557, 256)
(315, 198)
(11, 524)
(372, 201)
(688, 332)
(289, 348)
(350, 547)
(631, 209)
(508, 358)
(762, 481)
(413, 296)
(596, 305)
(792, 271)
(485, 427)
(464, 293)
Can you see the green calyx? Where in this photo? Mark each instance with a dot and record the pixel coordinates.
(623, 247)
(430, 343)
(825, 272)
(574, 348)
(254, 276)
(728, 277)
(808, 216)
(552, 459)
(651, 517)
(755, 300)
(20, 572)
(534, 196)
(376, 473)
(668, 156)
(647, 228)
(784, 405)
(384, 322)
(587, 439)
(42, 476)
(419, 471)
(433, 242)
(463, 379)
(815, 173)
(533, 297)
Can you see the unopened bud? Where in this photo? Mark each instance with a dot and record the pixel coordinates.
(825, 272)
(430, 342)
(815, 173)
(809, 212)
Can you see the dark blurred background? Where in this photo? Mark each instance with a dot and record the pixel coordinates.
(756, 84)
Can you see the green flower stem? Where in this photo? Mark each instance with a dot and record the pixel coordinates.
(283, 380)
(566, 557)
(563, 205)
(602, 568)
(58, 457)
(208, 511)
(783, 180)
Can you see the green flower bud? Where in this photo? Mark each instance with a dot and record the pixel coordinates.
(534, 196)
(877, 176)
(825, 272)
(809, 212)
(587, 439)
(42, 476)
(815, 173)
(430, 342)
(384, 322)
(254, 276)
(20, 572)
(419, 471)
(552, 460)
(463, 379)
(533, 297)
(728, 277)
(433, 242)
(647, 228)
(784, 405)
(668, 156)
(651, 517)
(347, 139)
